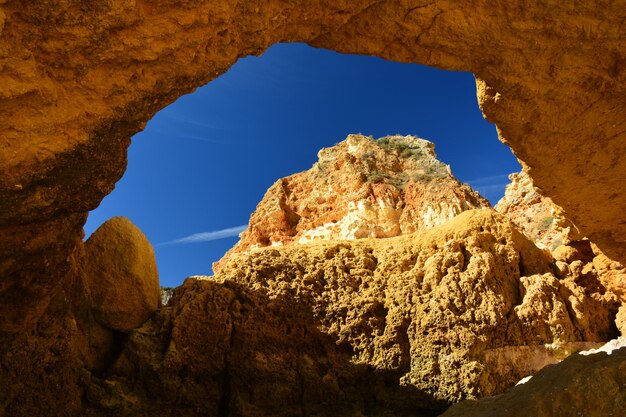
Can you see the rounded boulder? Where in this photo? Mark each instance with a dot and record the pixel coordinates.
(121, 275)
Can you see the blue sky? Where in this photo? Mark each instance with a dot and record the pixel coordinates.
(198, 170)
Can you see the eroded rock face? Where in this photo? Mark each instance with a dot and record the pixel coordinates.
(112, 288)
(546, 225)
(121, 275)
(536, 216)
(80, 78)
(375, 326)
(590, 386)
(359, 188)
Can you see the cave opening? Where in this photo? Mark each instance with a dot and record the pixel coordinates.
(201, 165)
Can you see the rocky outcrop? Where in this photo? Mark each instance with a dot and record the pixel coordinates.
(79, 78)
(546, 225)
(359, 188)
(590, 386)
(536, 215)
(582, 261)
(166, 294)
(78, 81)
(375, 326)
(112, 289)
(120, 275)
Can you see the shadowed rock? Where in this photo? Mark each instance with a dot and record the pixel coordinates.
(121, 275)
(590, 386)
(374, 326)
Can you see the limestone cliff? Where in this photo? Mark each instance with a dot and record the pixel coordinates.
(80, 78)
(395, 326)
(545, 224)
(359, 188)
(373, 326)
(536, 215)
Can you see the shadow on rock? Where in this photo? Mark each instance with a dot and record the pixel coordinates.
(221, 349)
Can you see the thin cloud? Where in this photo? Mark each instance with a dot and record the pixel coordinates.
(207, 236)
(185, 136)
(499, 179)
(175, 118)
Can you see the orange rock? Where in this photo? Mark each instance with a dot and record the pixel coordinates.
(77, 84)
(359, 188)
(460, 310)
(120, 275)
(537, 216)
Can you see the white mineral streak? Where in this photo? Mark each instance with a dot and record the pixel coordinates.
(362, 220)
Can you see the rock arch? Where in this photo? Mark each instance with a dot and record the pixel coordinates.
(79, 78)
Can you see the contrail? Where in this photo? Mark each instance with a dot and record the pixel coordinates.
(207, 236)
(175, 118)
(184, 136)
(495, 178)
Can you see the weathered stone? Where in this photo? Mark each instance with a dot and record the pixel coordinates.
(536, 215)
(166, 294)
(590, 386)
(544, 223)
(78, 80)
(565, 253)
(620, 320)
(120, 275)
(612, 274)
(359, 188)
(426, 319)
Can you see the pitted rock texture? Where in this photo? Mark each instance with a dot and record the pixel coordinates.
(612, 274)
(546, 225)
(120, 274)
(590, 386)
(535, 215)
(583, 262)
(79, 78)
(372, 326)
(359, 188)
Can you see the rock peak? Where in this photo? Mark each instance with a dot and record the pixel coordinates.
(359, 188)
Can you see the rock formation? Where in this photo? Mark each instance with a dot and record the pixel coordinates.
(359, 188)
(590, 386)
(536, 215)
(166, 294)
(373, 326)
(121, 275)
(112, 289)
(79, 78)
(545, 224)
(78, 81)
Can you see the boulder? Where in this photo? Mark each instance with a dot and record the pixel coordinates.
(120, 274)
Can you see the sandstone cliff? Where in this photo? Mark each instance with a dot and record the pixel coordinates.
(536, 215)
(379, 327)
(359, 188)
(545, 224)
(79, 78)
(391, 326)
(78, 81)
